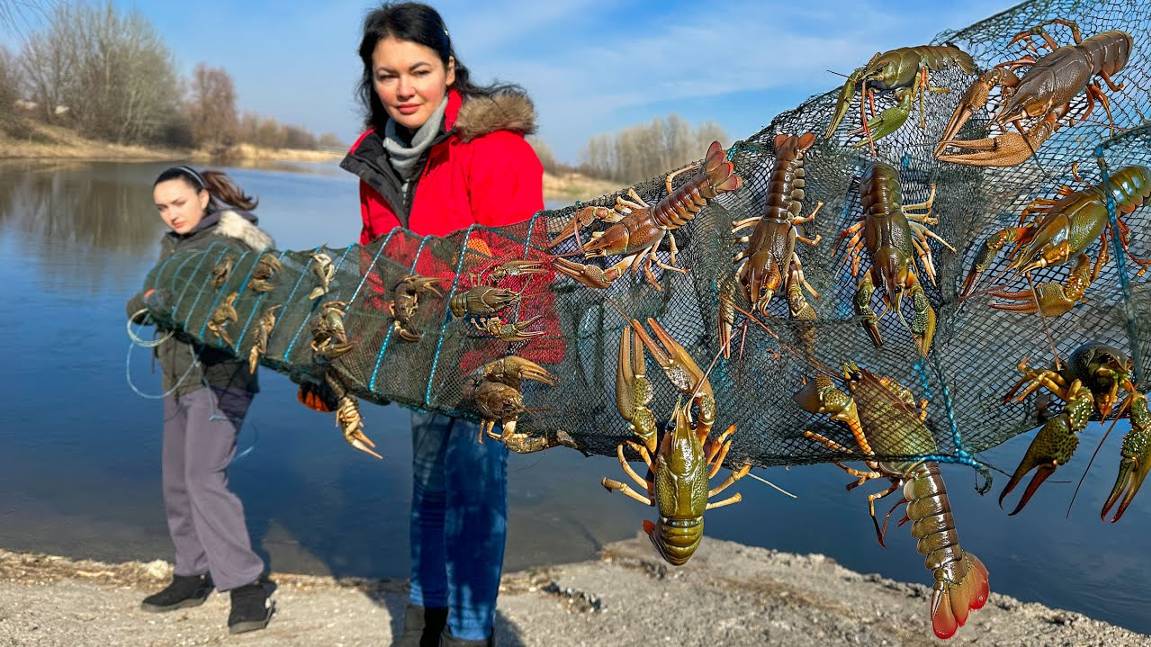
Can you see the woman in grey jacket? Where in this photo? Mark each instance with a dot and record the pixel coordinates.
(207, 396)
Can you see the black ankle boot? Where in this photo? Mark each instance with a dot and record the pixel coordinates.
(250, 609)
(184, 591)
(448, 640)
(422, 626)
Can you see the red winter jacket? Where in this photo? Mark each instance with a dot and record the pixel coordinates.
(479, 170)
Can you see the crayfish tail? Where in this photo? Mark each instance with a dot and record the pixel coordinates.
(720, 172)
(952, 602)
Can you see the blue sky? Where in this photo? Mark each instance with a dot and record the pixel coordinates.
(592, 66)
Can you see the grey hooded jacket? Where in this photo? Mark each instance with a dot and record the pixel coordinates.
(185, 364)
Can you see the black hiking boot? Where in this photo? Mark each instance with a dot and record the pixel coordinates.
(183, 592)
(448, 640)
(422, 627)
(250, 609)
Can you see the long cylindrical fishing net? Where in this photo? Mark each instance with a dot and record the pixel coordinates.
(976, 348)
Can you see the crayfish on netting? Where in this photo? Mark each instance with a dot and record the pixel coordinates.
(323, 270)
(904, 70)
(1051, 232)
(405, 304)
(329, 338)
(681, 461)
(1089, 381)
(770, 261)
(638, 228)
(892, 233)
(222, 270)
(1044, 94)
(263, 331)
(497, 393)
(222, 316)
(263, 273)
(884, 420)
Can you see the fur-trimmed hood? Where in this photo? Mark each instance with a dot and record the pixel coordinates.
(242, 226)
(230, 223)
(507, 109)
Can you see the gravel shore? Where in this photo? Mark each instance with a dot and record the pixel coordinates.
(728, 594)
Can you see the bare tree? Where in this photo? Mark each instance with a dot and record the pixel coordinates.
(127, 86)
(48, 63)
(544, 152)
(9, 83)
(331, 141)
(648, 150)
(212, 106)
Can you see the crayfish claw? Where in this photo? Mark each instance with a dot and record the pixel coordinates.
(673, 358)
(1136, 461)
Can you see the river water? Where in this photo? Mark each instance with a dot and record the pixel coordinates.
(80, 445)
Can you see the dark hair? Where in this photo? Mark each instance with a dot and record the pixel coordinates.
(216, 183)
(417, 23)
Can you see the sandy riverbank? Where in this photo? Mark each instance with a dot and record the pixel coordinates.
(42, 141)
(728, 594)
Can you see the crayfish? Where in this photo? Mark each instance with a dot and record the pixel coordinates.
(883, 418)
(904, 70)
(323, 270)
(498, 397)
(406, 302)
(638, 228)
(329, 339)
(221, 270)
(892, 233)
(1044, 93)
(266, 268)
(264, 326)
(770, 261)
(681, 461)
(1051, 232)
(221, 316)
(1088, 382)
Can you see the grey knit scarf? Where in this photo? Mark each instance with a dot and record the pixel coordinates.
(404, 157)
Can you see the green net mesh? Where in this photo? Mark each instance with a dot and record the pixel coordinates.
(976, 348)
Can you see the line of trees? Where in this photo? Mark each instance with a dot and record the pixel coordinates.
(110, 76)
(647, 150)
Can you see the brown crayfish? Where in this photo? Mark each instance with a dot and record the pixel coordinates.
(1044, 94)
(638, 228)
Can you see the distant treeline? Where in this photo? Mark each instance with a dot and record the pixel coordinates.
(644, 151)
(109, 75)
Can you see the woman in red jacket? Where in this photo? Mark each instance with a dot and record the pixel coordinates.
(441, 154)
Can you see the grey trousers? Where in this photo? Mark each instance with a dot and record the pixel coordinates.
(205, 520)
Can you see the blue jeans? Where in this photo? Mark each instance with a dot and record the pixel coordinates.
(458, 523)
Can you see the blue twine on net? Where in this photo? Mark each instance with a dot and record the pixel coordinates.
(215, 297)
(223, 290)
(375, 259)
(392, 328)
(244, 286)
(188, 284)
(524, 255)
(256, 305)
(1121, 264)
(447, 314)
(304, 321)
